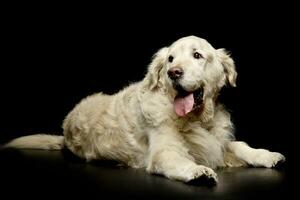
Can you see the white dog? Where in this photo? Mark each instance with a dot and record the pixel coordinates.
(170, 122)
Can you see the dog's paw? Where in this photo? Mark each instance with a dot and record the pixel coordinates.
(265, 158)
(203, 174)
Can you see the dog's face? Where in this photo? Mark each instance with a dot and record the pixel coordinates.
(192, 71)
(186, 64)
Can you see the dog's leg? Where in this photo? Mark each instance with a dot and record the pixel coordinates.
(169, 157)
(254, 157)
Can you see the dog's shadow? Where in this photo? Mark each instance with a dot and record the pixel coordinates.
(203, 181)
(112, 164)
(70, 157)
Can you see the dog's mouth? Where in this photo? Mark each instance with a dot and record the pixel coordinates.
(185, 102)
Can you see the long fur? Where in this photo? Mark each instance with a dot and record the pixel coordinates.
(139, 128)
(38, 141)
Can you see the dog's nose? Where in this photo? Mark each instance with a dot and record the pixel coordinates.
(175, 73)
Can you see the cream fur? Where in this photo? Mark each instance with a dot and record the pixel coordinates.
(139, 128)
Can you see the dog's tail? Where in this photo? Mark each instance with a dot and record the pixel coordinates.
(38, 141)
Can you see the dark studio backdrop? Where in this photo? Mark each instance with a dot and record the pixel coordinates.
(54, 57)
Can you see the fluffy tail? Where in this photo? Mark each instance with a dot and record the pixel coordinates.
(38, 141)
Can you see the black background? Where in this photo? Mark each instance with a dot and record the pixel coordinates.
(55, 55)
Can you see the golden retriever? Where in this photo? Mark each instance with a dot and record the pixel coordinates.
(169, 123)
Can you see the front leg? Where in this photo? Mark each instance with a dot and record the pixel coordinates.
(169, 157)
(254, 157)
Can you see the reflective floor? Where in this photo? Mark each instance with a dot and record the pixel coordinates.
(54, 174)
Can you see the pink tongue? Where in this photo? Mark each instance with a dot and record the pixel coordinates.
(184, 105)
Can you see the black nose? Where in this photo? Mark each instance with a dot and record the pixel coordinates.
(175, 73)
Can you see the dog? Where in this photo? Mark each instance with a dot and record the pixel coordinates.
(170, 123)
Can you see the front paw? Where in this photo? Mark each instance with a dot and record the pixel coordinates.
(203, 174)
(193, 173)
(268, 159)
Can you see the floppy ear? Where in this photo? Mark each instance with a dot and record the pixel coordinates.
(155, 67)
(229, 66)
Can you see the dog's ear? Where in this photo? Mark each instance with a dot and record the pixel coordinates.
(229, 66)
(153, 78)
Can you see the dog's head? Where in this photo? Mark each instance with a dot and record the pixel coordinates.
(192, 71)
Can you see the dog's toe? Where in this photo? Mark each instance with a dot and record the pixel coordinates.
(268, 159)
(204, 176)
(278, 159)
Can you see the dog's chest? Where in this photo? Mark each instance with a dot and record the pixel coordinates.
(205, 146)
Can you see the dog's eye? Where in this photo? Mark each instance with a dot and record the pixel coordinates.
(170, 59)
(197, 55)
